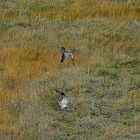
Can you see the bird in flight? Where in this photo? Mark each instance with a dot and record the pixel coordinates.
(66, 53)
(64, 101)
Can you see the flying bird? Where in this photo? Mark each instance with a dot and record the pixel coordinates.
(64, 101)
(66, 53)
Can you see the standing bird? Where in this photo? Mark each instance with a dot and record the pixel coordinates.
(64, 101)
(66, 53)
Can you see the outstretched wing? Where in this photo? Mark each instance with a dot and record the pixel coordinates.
(71, 55)
(63, 58)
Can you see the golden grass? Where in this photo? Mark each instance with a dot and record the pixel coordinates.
(77, 10)
(7, 125)
(99, 8)
(28, 64)
(20, 66)
(128, 100)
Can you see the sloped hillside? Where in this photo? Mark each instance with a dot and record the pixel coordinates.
(103, 87)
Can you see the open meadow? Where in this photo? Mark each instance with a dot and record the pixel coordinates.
(103, 87)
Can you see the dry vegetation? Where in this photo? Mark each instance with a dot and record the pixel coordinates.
(105, 38)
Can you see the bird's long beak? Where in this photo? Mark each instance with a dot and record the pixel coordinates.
(57, 90)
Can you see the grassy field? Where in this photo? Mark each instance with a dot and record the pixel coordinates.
(103, 86)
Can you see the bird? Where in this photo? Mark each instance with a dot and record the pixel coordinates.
(66, 53)
(64, 101)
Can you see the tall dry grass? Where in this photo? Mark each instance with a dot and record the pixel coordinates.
(70, 9)
(104, 36)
